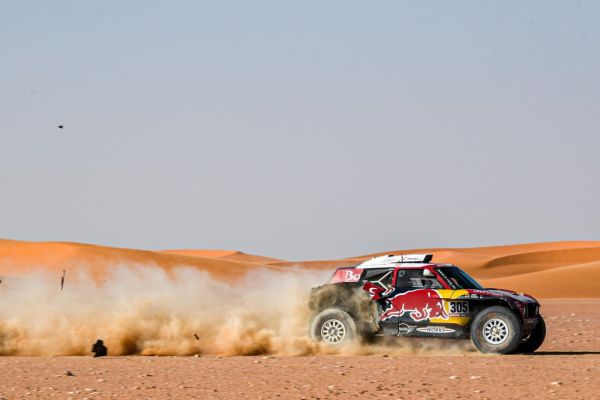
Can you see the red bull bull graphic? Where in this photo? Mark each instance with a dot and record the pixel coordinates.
(421, 304)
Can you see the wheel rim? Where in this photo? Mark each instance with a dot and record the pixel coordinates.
(333, 331)
(495, 331)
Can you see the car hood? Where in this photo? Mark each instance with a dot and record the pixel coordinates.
(503, 294)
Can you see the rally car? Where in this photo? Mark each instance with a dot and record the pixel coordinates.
(407, 295)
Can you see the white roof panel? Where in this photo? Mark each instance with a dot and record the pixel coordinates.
(391, 260)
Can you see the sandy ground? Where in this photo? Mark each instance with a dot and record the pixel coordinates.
(567, 367)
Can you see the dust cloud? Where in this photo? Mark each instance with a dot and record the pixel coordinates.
(145, 310)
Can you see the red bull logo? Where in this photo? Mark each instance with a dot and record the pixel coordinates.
(421, 304)
(345, 275)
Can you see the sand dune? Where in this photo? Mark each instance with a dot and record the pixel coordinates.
(554, 269)
(578, 280)
(226, 255)
(18, 258)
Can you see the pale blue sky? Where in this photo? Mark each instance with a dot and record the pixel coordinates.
(299, 129)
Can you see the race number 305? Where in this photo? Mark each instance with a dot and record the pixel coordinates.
(459, 308)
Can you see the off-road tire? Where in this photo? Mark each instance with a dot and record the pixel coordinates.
(327, 325)
(535, 338)
(496, 330)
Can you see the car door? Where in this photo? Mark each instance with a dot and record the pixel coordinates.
(417, 298)
(378, 283)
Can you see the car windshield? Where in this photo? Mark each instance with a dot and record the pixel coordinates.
(458, 278)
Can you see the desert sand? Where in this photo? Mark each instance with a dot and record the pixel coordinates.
(566, 367)
(563, 275)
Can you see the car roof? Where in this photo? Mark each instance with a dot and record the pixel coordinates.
(404, 265)
(394, 261)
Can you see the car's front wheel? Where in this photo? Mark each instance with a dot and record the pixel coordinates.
(535, 338)
(496, 330)
(333, 326)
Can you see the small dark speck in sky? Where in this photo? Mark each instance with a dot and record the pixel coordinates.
(61, 126)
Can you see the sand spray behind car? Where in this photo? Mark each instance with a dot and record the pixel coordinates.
(146, 310)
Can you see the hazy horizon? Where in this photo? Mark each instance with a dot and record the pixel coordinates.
(300, 131)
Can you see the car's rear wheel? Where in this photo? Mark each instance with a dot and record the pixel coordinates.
(496, 330)
(333, 326)
(535, 338)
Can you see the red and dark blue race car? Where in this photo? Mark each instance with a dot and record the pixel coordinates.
(407, 295)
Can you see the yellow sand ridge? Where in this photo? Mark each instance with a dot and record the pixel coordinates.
(552, 269)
